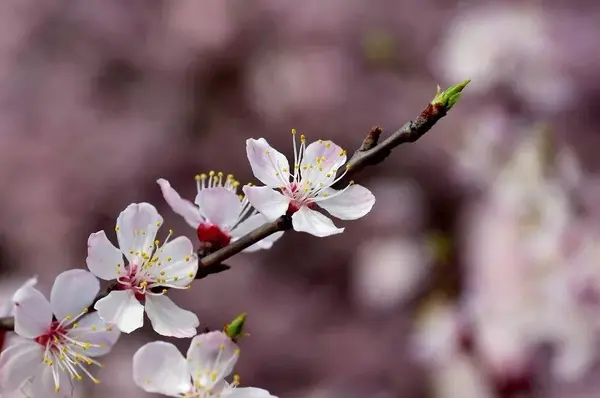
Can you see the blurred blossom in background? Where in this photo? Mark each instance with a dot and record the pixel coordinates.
(477, 274)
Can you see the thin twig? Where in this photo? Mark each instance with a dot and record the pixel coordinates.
(370, 152)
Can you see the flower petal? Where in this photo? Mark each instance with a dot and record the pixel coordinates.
(250, 224)
(183, 207)
(159, 367)
(177, 263)
(6, 307)
(73, 291)
(121, 308)
(355, 202)
(269, 165)
(103, 257)
(93, 330)
(247, 392)
(211, 357)
(17, 364)
(269, 202)
(136, 228)
(219, 206)
(43, 384)
(321, 161)
(314, 223)
(33, 313)
(168, 319)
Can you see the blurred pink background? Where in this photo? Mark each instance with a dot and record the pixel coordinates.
(477, 274)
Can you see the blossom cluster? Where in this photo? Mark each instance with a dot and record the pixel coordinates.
(58, 341)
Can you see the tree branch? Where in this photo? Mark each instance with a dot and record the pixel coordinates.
(370, 152)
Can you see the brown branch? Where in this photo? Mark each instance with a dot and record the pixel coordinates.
(370, 152)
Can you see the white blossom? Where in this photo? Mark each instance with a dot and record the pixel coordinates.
(159, 367)
(297, 192)
(142, 280)
(60, 338)
(219, 214)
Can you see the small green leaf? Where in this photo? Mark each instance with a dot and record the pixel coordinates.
(235, 329)
(450, 96)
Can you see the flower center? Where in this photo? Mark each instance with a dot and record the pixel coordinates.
(213, 235)
(51, 335)
(65, 352)
(131, 281)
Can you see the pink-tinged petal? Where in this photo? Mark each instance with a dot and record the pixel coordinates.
(355, 202)
(170, 320)
(269, 165)
(211, 353)
(73, 291)
(219, 206)
(177, 263)
(92, 329)
(136, 228)
(43, 384)
(18, 363)
(6, 307)
(247, 392)
(33, 313)
(122, 309)
(183, 207)
(314, 223)
(267, 201)
(103, 259)
(159, 367)
(250, 224)
(322, 159)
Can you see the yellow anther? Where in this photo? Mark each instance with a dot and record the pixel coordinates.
(211, 173)
(93, 328)
(56, 389)
(108, 328)
(197, 177)
(320, 141)
(220, 174)
(116, 228)
(68, 317)
(342, 152)
(75, 325)
(169, 258)
(293, 131)
(222, 347)
(187, 258)
(203, 176)
(86, 310)
(170, 232)
(302, 138)
(327, 144)
(191, 274)
(267, 152)
(348, 167)
(157, 242)
(351, 182)
(163, 272)
(158, 224)
(97, 381)
(236, 352)
(164, 291)
(176, 278)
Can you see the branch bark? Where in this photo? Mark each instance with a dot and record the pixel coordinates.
(370, 153)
